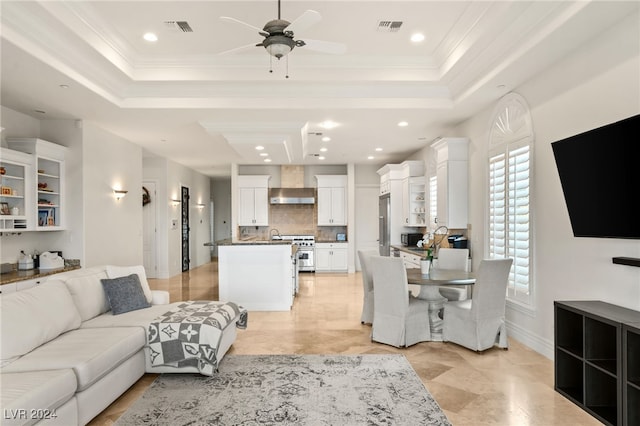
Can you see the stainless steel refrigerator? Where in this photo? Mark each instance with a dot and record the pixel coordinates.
(384, 225)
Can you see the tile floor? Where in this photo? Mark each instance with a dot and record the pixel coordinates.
(496, 387)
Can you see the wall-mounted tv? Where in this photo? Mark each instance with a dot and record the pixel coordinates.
(600, 176)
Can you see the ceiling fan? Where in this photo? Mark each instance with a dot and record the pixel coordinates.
(279, 35)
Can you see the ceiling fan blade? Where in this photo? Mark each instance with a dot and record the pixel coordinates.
(304, 21)
(325, 46)
(235, 49)
(237, 21)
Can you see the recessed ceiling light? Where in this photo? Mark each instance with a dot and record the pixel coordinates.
(403, 124)
(39, 111)
(371, 157)
(150, 37)
(264, 154)
(328, 124)
(326, 139)
(378, 149)
(417, 37)
(267, 160)
(323, 149)
(321, 157)
(64, 86)
(259, 147)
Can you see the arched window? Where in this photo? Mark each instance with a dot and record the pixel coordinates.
(509, 189)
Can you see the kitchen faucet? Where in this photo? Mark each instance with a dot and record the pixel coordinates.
(277, 233)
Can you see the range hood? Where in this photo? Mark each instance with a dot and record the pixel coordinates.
(292, 196)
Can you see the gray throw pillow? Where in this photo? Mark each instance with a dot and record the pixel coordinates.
(124, 294)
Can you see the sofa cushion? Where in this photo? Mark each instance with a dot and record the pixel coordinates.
(124, 294)
(140, 318)
(34, 394)
(87, 292)
(122, 271)
(91, 353)
(35, 316)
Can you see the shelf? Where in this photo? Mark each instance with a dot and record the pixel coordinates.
(11, 177)
(630, 261)
(12, 196)
(48, 175)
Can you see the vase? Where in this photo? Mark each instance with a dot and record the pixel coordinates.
(425, 266)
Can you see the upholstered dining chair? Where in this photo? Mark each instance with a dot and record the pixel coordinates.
(478, 323)
(450, 258)
(399, 320)
(367, 285)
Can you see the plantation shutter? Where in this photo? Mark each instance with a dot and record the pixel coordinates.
(509, 218)
(433, 200)
(518, 234)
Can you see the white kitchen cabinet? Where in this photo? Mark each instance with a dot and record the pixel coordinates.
(411, 261)
(331, 257)
(8, 288)
(332, 200)
(16, 182)
(47, 189)
(452, 182)
(253, 196)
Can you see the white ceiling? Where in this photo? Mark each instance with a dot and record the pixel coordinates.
(180, 98)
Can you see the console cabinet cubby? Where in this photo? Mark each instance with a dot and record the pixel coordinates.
(597, 359)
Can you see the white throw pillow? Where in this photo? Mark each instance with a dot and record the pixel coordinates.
(88, 294)
(35, 316)
(123, 271)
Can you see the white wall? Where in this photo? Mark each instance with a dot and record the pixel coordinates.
(113, 229)
(565, 268)
(221, 196)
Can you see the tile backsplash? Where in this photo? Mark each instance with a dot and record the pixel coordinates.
(292, 219)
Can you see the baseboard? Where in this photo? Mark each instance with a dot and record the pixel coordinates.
(532, 340)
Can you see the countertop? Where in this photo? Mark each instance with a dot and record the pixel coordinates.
(230, 242)
(412, 250)
(16, 275)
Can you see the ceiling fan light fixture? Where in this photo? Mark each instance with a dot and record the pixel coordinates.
(278, 45)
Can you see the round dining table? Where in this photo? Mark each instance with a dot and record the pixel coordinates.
(429, 284)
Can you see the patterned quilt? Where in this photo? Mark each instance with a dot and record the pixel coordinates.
(189, 334)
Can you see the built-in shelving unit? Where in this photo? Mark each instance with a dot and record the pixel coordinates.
(595, 367)
(14, 186)
(46, 188)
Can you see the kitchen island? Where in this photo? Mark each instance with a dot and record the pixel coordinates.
(258, 275)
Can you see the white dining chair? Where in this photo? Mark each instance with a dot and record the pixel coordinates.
(399, 319)
(478, 323)
(457, 259)
(365, 257)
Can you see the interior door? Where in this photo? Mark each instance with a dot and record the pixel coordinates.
(185, 228)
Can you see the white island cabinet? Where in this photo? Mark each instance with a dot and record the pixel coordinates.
(256, 275)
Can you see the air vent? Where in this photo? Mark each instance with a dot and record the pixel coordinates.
(180, 25)
(389, 26)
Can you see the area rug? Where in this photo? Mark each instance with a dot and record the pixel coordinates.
(291, 390)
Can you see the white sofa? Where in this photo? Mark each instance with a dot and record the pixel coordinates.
(65, 357)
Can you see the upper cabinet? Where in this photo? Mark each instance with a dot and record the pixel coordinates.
(413, 194)
(45, 192)
(452, 182)
(15, 186)
(332, 200)
(253, 196)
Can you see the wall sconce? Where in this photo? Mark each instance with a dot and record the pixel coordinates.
(119, 193)
(200, 206)
(175, 202)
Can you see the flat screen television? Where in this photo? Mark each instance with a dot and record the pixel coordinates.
(600, 176)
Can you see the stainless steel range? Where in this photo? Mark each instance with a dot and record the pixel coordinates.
(306, 250)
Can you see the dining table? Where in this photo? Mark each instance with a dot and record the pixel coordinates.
(429, 291)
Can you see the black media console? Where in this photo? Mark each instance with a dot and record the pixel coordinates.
(597, 359)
